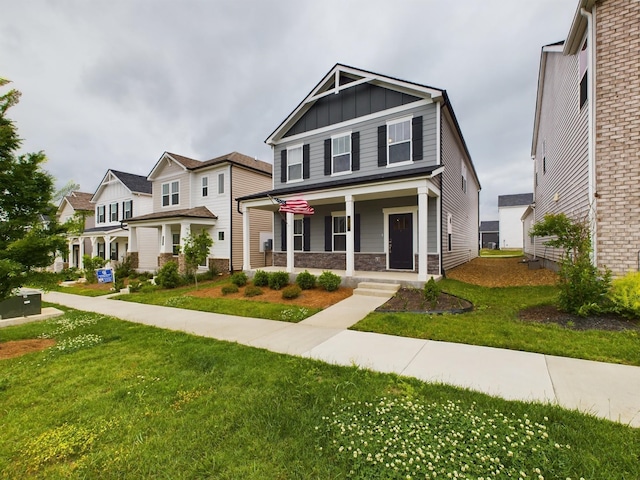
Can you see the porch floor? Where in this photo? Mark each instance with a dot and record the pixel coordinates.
(405, 279)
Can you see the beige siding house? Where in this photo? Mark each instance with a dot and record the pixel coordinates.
(190, 196)
(72, 206)
(586, 139)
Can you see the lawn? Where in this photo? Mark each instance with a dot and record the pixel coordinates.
(494, 322)
(115, 399)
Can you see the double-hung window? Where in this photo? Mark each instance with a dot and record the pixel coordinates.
(341, 154)
(205, 186)
(170, 193)
(463, 169)
(399, 141)
(298, 234)
(339, 232)
(101, 214)
(113, 253)
(113, 212)
(220, 183)
(127, 209)
(294, 163)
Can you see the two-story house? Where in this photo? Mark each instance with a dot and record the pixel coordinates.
(118, 198)
(586, 137)
(190, 196)
(510, 211)
(75, 206)
(384, 166)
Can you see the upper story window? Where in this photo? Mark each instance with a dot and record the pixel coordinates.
(127, 209)
(101, 214)
(544, 157)
(294, 163)
(399, 141)
(205, 186)
(113, 212)
(341, 154)
(584, 62)
(171, 193)
(220, 183)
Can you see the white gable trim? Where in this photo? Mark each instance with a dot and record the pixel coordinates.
(166, 158)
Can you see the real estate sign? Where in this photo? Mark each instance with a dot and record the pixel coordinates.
(105, 275)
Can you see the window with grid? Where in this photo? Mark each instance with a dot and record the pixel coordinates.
(127, 209)
(341, 154)
(113, 212)
(399, 141)
(170, 193)
(294, 164)
(298, 234)
(340, 233)
(205, 186)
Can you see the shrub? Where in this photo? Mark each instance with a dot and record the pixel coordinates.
(148, 288)
(329, 281)
(261, 278)
(292, 291)
(252, 291)
(431, 292)
(239, 279)
(168, 276)
(306, 280)
(90, 266)
(231, 288)
(135, 286)
(118, 284)
(625, 295)
(277, 280)
(125, 268)
(70, 274)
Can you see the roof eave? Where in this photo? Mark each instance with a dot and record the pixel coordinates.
(578, 27)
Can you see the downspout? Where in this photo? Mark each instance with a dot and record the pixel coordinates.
(591, 73)
(231, 217)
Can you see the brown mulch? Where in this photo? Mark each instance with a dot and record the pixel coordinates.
(17, 348)
(501, 272)
(314, 298)
(551, 314)
(412, 300)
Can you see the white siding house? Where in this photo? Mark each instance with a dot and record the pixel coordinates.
(510, 211)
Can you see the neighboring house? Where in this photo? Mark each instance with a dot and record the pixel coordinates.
(510, 211)
(119, 196)
(490, 234)
(190, 196)
(586, 137)
(383, 163)
(76, 205)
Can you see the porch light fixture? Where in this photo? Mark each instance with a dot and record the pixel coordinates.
(122, 225)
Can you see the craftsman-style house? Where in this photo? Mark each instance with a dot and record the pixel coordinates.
(75, 207)
(383, 166)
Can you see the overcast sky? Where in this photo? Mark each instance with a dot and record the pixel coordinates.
(114, 84)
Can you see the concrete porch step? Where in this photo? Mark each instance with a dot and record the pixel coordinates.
(376, 289)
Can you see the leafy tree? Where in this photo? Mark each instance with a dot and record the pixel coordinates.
(29, 233)
(196, 250)
(67, 189)
(583, 288)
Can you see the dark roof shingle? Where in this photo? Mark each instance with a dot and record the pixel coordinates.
(135, 183)
(517, 200)
(197, 212)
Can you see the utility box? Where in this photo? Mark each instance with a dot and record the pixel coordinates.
(22, 305)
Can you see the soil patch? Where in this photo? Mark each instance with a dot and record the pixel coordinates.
(412, 300)
(502, 272)
(17, 348)
(551, 314)
(314, 298)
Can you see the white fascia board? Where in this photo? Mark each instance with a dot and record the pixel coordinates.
(158, 165)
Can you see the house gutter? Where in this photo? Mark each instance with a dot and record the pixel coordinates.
(591, 73)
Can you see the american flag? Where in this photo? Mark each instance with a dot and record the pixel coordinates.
(298, 206)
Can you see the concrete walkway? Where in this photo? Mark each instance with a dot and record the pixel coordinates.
(602, 389)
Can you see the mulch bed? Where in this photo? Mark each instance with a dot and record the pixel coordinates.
(17, 348)
(502, 272)
(412, 300)
(551, 314)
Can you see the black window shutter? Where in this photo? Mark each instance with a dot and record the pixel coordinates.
(306, 237)
(283, 235)
(355, 151)
(327, 156)
(328, 234)
(131, 207)
(283, 166)
(416, 134)
(305, 161)
(356, 233)
(382, 146)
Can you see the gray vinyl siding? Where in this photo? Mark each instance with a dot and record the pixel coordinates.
(564, 127)
(462, 206)
(432, 225)
(368, 147)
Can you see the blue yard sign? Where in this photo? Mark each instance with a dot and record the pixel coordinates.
(105, 275)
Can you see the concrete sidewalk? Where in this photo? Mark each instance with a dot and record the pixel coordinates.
(602, 389)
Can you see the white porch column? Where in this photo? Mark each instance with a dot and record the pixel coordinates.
(351, 222)
(185, 231)
(290, 251)
(167, 240)
(94, 241)
(70, 249)
(107, 249)
(439, 230)
(81, 253)
(423, 222)
(133, 239)
(246, 239)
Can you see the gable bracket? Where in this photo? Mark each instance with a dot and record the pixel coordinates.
(338, 88)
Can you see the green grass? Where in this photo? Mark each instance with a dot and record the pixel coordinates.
(243, 308)
(485, 252)
(141, 402)
(79, 289)
(494, 323)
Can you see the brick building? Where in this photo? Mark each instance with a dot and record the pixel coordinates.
(586, 139)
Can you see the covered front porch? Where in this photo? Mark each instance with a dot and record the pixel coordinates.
(381, 229)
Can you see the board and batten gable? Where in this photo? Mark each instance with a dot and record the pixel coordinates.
(460, 219)
(561, 150)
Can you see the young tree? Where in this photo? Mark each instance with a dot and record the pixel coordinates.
(196, 250)
(29, 233)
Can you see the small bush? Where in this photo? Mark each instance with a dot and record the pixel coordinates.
(118, 284)
(168, 276)
(329, 281)
(431, 292)
(277, 280)
(208, 275)
(135, 286)
(231, 288)
(70, 274)
(306, 280)
(90, 266)
(292, 291)
(125, 268)
(148, 288)
(145, 275)
(239, 279)
(261, 278)
(252, 291)
(625, 295)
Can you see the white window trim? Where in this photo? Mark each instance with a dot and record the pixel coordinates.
(204, 183)
(394, 122)
(390, 211)
(104, 214)
(124, 209)
(346, 172)
(170, 182)
(295, 147)
(221, 174)
(111, 212)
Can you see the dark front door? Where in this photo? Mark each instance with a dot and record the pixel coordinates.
(401, 241)
(75, 261)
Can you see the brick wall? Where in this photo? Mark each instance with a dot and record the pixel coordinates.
(618, 134)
